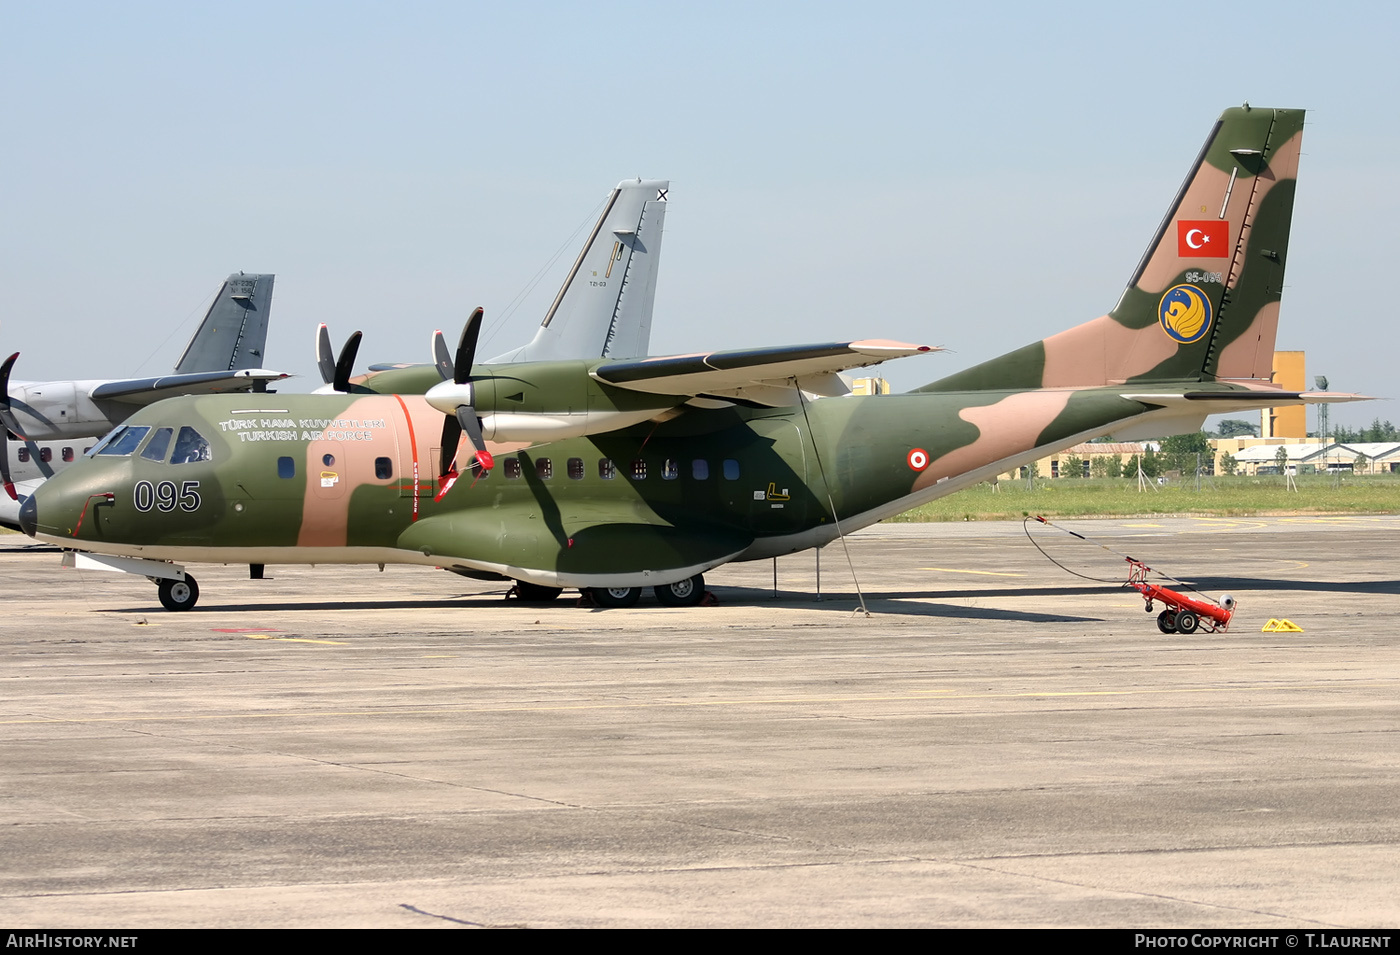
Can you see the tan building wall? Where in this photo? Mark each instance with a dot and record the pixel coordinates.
(1290, 373)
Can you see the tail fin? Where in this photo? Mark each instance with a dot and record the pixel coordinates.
(604, 307)
(1203, 302)
(234, 331)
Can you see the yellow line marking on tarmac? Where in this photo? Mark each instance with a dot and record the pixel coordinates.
(937, 696)
(1142, 525)
(954, 570)
(268, 636)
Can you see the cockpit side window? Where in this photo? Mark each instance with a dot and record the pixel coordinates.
(123, 441)
(190, 446)
(159, 444)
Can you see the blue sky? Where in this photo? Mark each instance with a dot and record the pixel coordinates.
(963, 177)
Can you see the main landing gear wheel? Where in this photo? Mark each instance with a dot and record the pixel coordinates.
(683, 593)
(615, 597)
(1187, 622)
(535, 593)
(1166, 621)
(178, 594)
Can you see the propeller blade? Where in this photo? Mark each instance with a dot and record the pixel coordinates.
(346, 363)
(466, 348)
(451, 435)
(452, 427)
(442, 358)
(471, 424)
(5, 368)
(7, 424)
(325, 358)
(5, 463)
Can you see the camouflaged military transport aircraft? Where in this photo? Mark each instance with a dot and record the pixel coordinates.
(613, 475)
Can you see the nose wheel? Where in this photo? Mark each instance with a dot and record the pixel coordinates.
(178, 594)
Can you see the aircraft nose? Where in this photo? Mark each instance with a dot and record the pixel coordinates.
(29, 516)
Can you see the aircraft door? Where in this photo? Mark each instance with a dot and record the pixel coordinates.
(775, 474)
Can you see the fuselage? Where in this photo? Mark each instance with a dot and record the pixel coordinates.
(347, 478)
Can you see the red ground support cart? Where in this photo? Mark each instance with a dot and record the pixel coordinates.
(1183, 614)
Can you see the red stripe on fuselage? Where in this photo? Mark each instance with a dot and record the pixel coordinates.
(413, 445)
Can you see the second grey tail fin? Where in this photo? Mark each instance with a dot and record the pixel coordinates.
(233, 334)
(604, 308)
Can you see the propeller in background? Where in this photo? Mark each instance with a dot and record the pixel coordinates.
(8, 424)
(336, 371)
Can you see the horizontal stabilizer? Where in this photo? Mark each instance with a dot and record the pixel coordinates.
(1224, 402)
(763, 375)
(146, 391)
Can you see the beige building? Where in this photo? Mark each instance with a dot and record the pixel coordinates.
(1290, 374)
(1055, 465)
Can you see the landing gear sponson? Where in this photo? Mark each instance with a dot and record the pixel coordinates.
(177, 590)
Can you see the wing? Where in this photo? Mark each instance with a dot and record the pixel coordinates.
(766, 376)
(146, 391)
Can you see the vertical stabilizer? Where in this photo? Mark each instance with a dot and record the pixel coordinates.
(604, 307)
(234, 332)
(1203, 303)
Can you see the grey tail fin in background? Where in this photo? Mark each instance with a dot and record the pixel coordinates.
(604, 308)
(233, 334)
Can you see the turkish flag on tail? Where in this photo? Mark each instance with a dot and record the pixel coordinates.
(1203, 239)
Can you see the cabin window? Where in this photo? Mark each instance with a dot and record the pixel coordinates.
(576, 469)
(512, 469)
(286, 467)
(639, 469)
(68, 454)
(670, 470)
(158, 445)
(731, 469)
(544, 469)
(46, 455)
(190, 446)
(606, 469)
(700, 469)
(24, 454)
(123, 441)
(383, 468)
(328, 460)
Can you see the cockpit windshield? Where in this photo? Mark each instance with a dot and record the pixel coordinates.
(190, 446)
(123, 441)
(158, 445)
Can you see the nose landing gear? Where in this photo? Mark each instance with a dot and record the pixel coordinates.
(178, 594)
